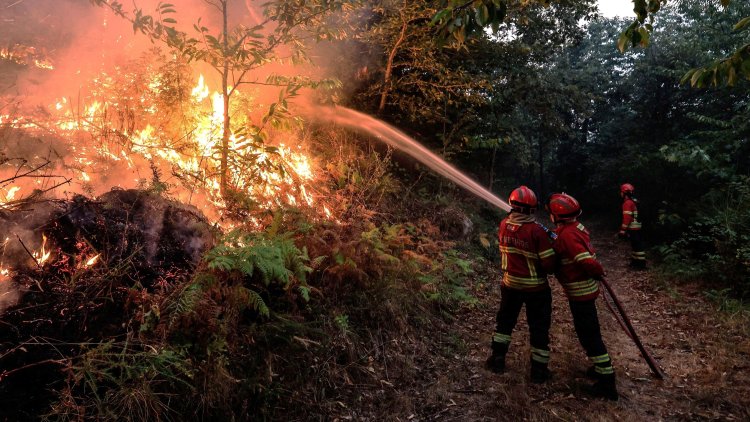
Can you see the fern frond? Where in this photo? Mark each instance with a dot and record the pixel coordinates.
(252, 300)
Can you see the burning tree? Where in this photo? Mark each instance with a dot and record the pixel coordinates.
(236, 54)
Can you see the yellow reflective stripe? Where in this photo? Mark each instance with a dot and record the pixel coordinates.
(635, 225)
(581, 256)
(600, 359)
(510, 249)
(525, 280)
(532, 267)
(580, 227)
(547, 253)
(566, 261)
(539, 358)
(521, 283)
(540, 352)
(501, 338)
(504, 260)
(581, 288)
(606, 370)
(628, 212)
(540, 355)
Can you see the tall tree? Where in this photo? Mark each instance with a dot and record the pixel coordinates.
(235, 52)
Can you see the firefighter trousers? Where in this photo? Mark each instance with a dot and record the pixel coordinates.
(586, 323)
(637, 254)
(538, 315)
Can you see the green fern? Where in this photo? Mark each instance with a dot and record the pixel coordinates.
(266, 258)
(252, 300)
(187, 301)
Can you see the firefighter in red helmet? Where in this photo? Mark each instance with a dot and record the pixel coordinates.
(578, 272)
(527, 258)
(631, 226)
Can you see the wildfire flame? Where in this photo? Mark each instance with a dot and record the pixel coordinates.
(284, 175)
(42, 255)
(25, 56)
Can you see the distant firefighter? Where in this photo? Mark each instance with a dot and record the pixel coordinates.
(631, 226)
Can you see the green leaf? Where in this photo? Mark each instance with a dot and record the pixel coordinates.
(742, 24)
(687, 76)
(441, 15)
(696, 77)
(623, 42)
(644, 36)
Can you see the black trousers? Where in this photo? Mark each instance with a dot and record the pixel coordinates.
(538, 314)
(586, 323)
(636, 244)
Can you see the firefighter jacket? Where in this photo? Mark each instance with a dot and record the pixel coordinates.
(527, 254)
(629, 215)
(577, 269)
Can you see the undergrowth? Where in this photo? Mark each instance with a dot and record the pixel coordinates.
(280, 322)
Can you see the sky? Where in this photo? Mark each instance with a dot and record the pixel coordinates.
(611, 8)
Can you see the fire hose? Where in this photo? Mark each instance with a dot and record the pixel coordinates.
(627, 326)
(621, 317)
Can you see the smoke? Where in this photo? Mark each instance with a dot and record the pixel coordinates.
(80, 40)
(87, 44)
(9, 295)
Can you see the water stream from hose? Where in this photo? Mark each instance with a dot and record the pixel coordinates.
(363, 123)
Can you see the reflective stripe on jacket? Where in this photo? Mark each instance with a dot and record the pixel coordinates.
(630, 215)
(577, 270)
(526, 252)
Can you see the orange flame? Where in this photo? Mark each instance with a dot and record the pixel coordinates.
(42, 255)
(99, 142)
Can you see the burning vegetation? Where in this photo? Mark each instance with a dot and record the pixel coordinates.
(172, 254)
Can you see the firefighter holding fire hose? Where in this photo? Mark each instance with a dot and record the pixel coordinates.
(631, 226)
(527, 258)
(579, 273)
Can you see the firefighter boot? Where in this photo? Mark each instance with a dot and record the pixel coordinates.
(638, 264)
(605, 388)
(539, 372)
(496, 361)
(591, 373)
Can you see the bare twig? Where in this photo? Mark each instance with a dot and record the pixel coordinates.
(29, 252)
(5, 374)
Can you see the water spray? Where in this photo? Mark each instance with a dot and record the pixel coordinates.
(403, 142)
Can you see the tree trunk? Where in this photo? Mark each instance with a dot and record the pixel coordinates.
(389, 65)
(226, 129)
(492, 168)
(542, 189)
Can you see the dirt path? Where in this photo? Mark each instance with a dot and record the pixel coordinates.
(703, 352)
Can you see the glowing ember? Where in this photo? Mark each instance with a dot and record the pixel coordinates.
(91, 261)
(10, 194)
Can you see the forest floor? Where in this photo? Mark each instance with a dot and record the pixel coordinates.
(703, 351)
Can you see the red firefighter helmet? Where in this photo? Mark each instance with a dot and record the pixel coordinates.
(627, 188)
(523, 199)
(563, 206)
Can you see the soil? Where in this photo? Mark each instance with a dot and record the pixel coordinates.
(703, 351)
